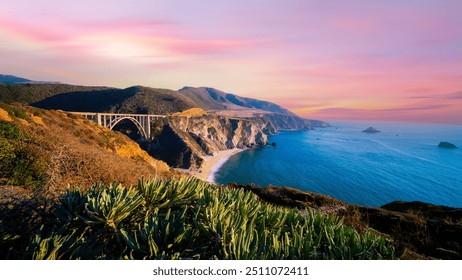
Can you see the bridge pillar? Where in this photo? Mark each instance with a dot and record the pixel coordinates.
(98, 118)
(148, 127)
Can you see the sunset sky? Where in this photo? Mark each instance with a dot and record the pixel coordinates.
(369, 59)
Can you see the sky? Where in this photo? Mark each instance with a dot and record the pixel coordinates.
(363, 59)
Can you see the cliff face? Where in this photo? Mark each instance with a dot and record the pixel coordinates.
(183, 141)
(285, 122)
(316, 123)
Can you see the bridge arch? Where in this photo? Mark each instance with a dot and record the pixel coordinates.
(109, 120)
(140, 127)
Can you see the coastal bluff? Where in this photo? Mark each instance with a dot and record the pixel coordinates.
(183, 142)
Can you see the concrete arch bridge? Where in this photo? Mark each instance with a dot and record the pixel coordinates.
(110, 120)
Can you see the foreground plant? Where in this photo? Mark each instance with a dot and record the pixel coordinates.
(186, 218)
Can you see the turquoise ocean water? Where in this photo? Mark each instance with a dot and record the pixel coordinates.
(402, 162)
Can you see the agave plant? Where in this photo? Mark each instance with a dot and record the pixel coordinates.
(110, 206)
(187, 218)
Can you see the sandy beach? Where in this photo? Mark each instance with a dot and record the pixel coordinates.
(212, 163)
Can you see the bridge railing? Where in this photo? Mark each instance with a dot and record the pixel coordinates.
(109, 120)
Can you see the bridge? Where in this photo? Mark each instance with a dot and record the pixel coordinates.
(109, 120)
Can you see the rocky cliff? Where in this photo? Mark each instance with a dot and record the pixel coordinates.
(183, 141)
(316, 123)
(285, 122)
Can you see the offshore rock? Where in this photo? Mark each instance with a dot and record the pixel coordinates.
(371, 130)
(447, 145)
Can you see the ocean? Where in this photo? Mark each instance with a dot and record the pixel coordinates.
(402, 162)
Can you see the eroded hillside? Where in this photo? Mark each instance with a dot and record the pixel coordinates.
(47, 150)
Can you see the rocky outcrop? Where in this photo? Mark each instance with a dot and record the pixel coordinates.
(284, 122)
(184, 141)
(447, 145)
(371, 130)
(316, 123)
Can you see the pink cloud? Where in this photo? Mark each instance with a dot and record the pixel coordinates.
(208, 47)
(31, 31)
(442, 108)
(71, 37)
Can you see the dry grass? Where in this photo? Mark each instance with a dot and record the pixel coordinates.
(193, 112)
(4, 115)
(79, 153)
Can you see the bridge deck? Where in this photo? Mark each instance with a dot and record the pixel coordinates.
(109, 120)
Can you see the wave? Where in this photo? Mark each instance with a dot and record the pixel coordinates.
(402, 152)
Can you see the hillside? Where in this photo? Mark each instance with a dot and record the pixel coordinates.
(139, 100)
(45, 151)
(213, 99)
(33, 93)
(144, 100)
(10, 79)
(232, 105)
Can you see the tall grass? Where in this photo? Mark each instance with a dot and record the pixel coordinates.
(187, 218)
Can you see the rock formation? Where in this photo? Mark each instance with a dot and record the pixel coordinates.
(183, 141)
(447, 145)
(371, 130)
(285, 122)
(316, 123)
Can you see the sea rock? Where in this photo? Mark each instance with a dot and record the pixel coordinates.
(447, 145)
(371, 130)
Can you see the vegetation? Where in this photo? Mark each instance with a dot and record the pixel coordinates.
(18, 164)
(47, 150)
(187, 218)
(31, 93)
(15, 112)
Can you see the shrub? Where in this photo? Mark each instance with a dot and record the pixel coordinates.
(15, 112)
(10, 130)
(7, 155)
(18, 164)
(26, 170)
(189, 219)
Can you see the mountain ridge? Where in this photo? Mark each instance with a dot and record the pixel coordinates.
(147, 100)
(13, 80)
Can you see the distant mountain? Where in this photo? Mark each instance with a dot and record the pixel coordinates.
(232, 105)
(13, 80)
(214, 99)
(10, 80)
(144, 100)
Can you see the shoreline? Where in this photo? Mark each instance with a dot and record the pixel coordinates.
(211, 164)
